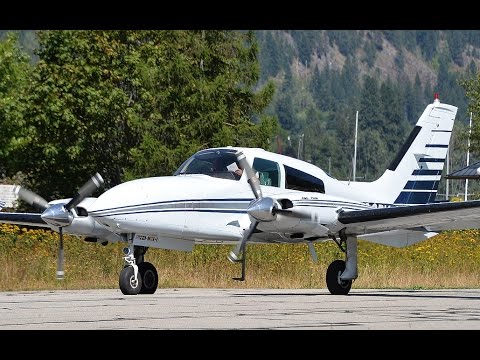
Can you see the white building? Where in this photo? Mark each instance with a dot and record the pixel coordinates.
(8, 196)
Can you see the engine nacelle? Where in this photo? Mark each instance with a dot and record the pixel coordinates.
(87, 226)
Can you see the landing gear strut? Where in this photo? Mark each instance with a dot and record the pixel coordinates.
(243, 251)
(138, 276)
(340, 274)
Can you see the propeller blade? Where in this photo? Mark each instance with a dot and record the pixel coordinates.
(30, 197)
(234, 254)
(251, 176)
(94, 183)
(60, 260)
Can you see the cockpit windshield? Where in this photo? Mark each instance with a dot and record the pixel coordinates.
(220, 163)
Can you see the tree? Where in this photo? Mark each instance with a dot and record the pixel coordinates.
(396, 126)
(370, 53)
(472, 91)
(136, 103)
(370, 105)
(269, 57)
(456, 45)
(284, 106)
(14, 69)
(400, 59)
(428, 42)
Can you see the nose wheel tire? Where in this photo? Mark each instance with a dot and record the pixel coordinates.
(335, 285)
(149, 276)
(128, 284)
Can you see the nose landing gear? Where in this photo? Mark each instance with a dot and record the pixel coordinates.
(138, 276)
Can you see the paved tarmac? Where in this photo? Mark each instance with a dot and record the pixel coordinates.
(193, 309)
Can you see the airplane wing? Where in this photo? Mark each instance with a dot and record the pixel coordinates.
(27, 219)
(431, 217)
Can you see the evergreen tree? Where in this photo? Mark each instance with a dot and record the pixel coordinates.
(456, 46)
(472, 91)
(400, 59)
(428, 42)
(349, 81)
(472, 69)
(396, 126)
(284, 106)
(269, 57)
(370, 105)
(370, 54)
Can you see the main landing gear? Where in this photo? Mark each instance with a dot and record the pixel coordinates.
(138, 276)
(340, 274)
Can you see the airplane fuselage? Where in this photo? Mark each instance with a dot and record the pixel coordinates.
(206, 209)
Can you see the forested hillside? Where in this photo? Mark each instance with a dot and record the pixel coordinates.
(321, 79)
(388, 76)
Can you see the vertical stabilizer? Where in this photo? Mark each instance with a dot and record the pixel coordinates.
(414, 174)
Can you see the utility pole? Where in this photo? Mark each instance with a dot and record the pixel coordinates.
(300, 148)
(468, 156)
(448, 172)
(355, 149)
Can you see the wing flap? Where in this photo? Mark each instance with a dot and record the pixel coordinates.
(432, 217)
(398, 238)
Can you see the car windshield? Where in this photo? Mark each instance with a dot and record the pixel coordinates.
(220, 163)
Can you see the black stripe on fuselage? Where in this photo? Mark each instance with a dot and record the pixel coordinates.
(173, 203)
(216, 206)
(329, 203)
(231, 211)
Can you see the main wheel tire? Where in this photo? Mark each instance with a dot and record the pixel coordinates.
(335, 285)
(127, 282)
(149, 276)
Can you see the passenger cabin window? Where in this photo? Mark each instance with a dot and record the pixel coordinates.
(268, 172)
(299, 180)
(220, 163)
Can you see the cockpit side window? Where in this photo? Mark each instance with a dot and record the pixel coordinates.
(299, 180)
(268, 172)
(220, 163)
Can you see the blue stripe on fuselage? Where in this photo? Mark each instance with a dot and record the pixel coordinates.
(422, 185)
(427, 172)
(410, 197)
(431, 160)
(436, 146)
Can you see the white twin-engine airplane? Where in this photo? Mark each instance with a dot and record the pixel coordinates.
(276, 199)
